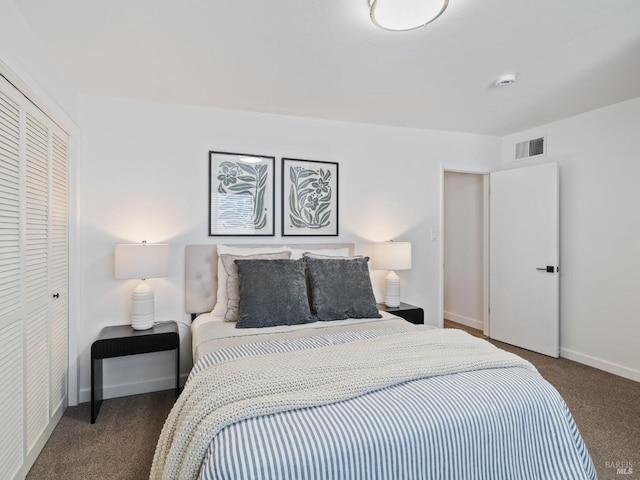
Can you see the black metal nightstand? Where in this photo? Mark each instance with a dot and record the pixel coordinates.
(410, 313)
(123, 340)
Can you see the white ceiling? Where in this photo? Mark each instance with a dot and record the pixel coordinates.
(325, 59)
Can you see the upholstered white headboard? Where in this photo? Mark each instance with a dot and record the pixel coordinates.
(202, 271)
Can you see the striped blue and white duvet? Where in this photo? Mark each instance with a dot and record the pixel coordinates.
(505, 423)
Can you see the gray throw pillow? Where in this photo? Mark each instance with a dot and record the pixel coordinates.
(233, 292)
(341, 288)
(272, 292)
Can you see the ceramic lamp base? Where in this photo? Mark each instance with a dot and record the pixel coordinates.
(142, 307)
(392, 290)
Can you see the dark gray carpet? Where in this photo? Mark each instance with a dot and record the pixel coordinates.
(120, 445)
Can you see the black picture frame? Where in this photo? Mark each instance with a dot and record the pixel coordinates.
(241, 194)
(310, 200)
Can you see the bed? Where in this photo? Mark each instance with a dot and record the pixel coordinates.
(347, 392)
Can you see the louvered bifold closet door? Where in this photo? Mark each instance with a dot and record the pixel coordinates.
(33, 280)
(59, 268)
(11, 345)
(37, 277)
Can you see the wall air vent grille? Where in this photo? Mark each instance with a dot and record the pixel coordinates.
(531, 148)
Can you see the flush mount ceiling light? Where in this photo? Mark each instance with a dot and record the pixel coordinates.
(401, 15)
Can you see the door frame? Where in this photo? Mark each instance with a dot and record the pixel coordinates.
(485, 241)
(21, 80)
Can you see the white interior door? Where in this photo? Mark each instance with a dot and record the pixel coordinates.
(524, 258)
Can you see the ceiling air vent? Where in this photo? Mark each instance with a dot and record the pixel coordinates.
(531, 148)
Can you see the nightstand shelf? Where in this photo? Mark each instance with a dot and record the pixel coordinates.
(122, 340)
(410, 313)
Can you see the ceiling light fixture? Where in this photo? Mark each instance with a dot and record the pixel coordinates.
(402, 15)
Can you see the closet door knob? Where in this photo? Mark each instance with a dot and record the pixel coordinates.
(56, 295)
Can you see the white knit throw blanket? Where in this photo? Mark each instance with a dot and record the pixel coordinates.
(253, 386)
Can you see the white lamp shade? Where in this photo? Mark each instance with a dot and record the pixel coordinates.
(392, 256)
(400, 15)
(141, 260)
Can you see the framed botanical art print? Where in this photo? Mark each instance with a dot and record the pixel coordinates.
(241, 194)
(309, 198)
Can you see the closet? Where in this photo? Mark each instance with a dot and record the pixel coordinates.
(33, 279)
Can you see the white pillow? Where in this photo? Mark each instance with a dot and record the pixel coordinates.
(220, 308)
(297, 253)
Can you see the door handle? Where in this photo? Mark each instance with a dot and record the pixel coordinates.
(548, 268)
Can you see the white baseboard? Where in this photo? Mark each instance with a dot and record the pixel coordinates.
(600, 364)
(126, 389)
(466, 321)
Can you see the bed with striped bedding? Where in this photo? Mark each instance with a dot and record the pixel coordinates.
(502, 422)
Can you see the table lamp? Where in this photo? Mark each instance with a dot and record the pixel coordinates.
(142, 261)
(392, 256)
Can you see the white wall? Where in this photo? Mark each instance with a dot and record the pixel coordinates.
(27, 64)
(599, 233)
(464, 249)
(144, 176)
